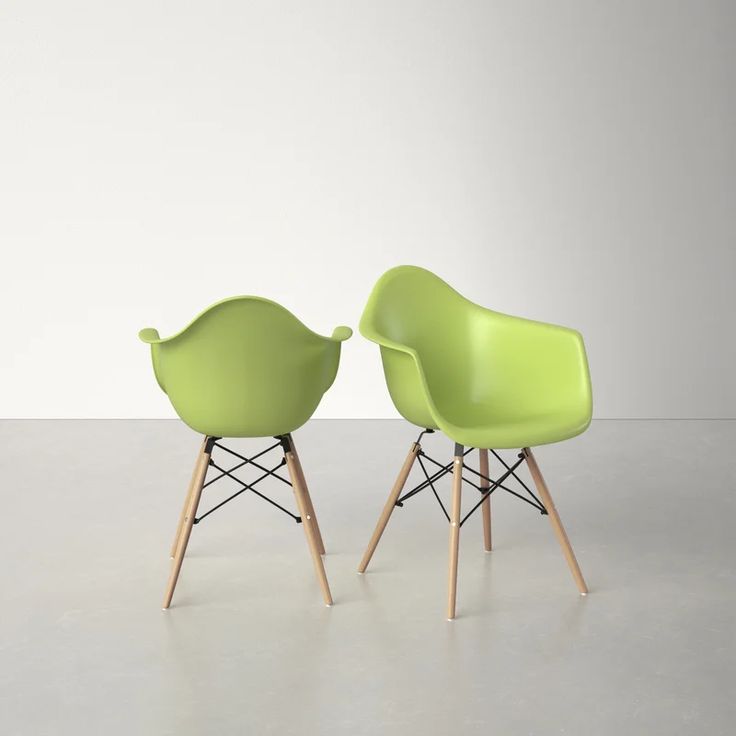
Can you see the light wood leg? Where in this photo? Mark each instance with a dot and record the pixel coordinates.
(457, 487)
(389, 506)
(554, 518)
(308, 498)
(188, 498)
(486, 505)
(198, 481)
(308, 524)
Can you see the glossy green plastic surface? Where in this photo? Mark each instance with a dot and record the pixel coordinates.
(245, 367)
(484, 378)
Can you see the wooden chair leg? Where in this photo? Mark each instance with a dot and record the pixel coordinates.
(554, 518)
(187, 499)
(308, 498)
(200, 472)
(307, 522)
(486, 505)
(389, 506)
(457, 487)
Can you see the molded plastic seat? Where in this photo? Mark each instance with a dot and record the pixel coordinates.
(245, 367)
(486, 379)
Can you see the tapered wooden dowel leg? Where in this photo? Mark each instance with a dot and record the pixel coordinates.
(457, 486)
(308, 524)
(188, 498)
(486, 505)
(389, 506)
(554, 518)
(308, 498)
(181, 548)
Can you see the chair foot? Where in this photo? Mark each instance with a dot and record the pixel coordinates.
(187, 499)
(308, 498)
(195, 495)
(555, 520)
(389, 506)
(486, 506)
(457, 484)
(308, 520)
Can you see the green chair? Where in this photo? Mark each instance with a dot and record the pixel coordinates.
(489, 381)
(246, 367)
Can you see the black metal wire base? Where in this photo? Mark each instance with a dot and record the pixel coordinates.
(283, 442)
(485, 490)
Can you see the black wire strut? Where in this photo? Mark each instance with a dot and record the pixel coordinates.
(249, 461)
(424, 484)
(267, 472)
(526, 487)
(485, 490)
(509, 472)
(480, 488)
(434, 490)
(240, 465)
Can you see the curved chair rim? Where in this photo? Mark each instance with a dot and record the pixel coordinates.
(368, 331)
(151, 336)
(366, 328)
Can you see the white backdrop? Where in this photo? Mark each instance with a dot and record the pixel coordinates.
(572, 162)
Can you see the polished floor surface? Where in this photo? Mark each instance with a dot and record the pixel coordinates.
(89, 508)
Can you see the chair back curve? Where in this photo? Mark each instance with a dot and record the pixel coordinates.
(452, 364)
(245, 367)
(420, 324)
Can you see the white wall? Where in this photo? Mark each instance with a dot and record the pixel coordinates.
(570, 161)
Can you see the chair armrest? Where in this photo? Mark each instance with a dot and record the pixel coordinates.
(149, 335)
(340, 334)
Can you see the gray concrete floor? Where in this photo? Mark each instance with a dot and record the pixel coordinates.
(89, 510)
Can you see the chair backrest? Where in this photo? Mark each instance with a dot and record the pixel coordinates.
(415, 308)
(245, 367)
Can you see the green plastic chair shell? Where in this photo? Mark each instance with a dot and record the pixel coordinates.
(245, 367)
(486, 379)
